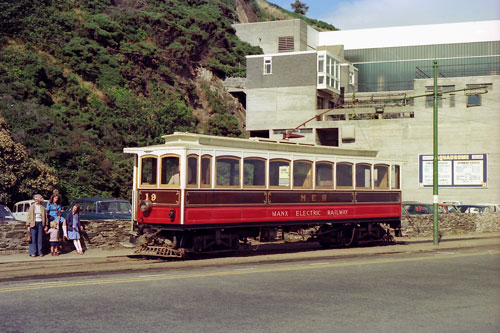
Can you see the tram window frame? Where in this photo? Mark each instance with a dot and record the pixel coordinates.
(270, 173)
(235, 174)
(308, 179)
(377, 183)
(204, 168)
(165, 179)
(258, 159)
(317, 180)
(339, 174)
(190, 172)
(154, 172)
(395, 177)
(363, 176)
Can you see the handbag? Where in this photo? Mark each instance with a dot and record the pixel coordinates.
(28, 237)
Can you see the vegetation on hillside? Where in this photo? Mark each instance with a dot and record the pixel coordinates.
(268, 11)
(80, 80)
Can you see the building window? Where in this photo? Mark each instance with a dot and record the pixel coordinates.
(268, 62)
(286, 44)
(328, 71)
(319, 102)
(429, 100)
(352, 75)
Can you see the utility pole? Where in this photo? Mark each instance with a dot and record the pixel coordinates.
(435, 162)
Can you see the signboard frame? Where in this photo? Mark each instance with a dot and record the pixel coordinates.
(455, 170)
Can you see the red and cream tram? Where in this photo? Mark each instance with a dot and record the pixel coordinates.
(199, 193)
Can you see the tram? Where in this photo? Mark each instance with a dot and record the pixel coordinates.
(199, 193)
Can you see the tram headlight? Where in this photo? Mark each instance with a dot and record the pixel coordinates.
(145, 206)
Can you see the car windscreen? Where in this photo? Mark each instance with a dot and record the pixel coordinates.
(114, 207)
(5, 213)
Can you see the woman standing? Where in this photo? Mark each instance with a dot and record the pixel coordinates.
(36, 224)
(53, 208)
(74, 227)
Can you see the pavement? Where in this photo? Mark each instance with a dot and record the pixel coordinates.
(22, 266)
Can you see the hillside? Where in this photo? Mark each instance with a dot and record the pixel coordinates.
(81, 80)
(268, 11)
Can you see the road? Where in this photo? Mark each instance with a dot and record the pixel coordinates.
(444, 291)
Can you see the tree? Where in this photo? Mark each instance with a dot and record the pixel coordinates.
(299, 7)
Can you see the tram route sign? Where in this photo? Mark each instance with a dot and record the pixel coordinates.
(454, 170)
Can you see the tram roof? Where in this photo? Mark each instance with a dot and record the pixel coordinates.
(191, 140)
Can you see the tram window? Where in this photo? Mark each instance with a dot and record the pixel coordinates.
(279, 173)
(228, 171)
(206, 171)
(363, 176)
(381, 176)
(395, 177)
(302, 174)
(192, 171)
(170, 171)
(254, 172)
(344, 175)
(324, 174)
(148, 170)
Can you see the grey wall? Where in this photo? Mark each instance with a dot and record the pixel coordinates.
(265, 34)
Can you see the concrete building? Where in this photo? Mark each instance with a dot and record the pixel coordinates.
(363, 89)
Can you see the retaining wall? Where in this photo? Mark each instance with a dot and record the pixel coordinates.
(451, 224)
(105, 234)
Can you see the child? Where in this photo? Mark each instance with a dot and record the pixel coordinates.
(54, 237)
(74, 227)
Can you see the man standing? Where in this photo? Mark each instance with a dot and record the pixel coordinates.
(36, 224)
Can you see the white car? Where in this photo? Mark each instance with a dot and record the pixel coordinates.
(491, 208)
(21, 208)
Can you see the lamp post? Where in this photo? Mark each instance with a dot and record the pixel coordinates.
(435, 162)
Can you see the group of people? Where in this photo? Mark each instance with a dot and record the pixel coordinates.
(40, 218)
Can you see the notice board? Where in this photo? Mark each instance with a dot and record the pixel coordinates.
(454, 170)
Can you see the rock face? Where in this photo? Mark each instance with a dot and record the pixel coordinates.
(108, 234)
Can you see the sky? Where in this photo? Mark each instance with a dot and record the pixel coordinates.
(363, 14)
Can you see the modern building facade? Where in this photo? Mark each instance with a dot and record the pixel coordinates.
(366, 89)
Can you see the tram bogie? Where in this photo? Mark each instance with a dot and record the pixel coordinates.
(199, 194)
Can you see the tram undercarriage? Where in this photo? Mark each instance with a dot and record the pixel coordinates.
(182, 243)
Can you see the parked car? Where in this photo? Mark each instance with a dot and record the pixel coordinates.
(473, 209)
(102, 209)
(415, 208)
(21, 208)
(6, 214)
(450, 208)
(491, 208)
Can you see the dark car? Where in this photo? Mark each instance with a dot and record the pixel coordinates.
(415, 208)
(6, 214)
(102, 209)
(472, 209)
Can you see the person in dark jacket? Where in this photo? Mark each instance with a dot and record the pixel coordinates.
(74, 228)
